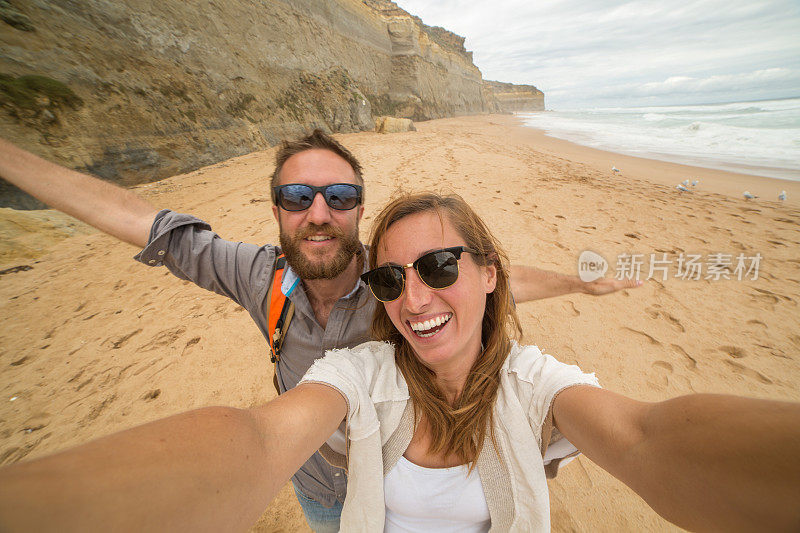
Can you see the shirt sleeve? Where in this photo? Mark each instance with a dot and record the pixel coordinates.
(189, 248)
(548, 377)
(346, 372)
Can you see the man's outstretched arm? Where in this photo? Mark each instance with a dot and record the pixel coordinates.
(109, 208)
(529, 283)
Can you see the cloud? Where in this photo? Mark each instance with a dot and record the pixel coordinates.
(578, 51)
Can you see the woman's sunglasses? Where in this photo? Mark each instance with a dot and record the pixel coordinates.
(438, 270)
(299, 197)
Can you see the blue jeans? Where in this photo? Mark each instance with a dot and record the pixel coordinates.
(320, 518)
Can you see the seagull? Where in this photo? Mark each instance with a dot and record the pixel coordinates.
(782, 196)
(614, 169)
(695, 182)
(748, 196)
(685, 183)
(682, 188)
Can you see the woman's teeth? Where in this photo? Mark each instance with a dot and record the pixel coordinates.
(430, 327)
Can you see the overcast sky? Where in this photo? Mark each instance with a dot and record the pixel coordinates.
(606, 53)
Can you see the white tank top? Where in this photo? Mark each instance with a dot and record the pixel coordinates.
(420, 499)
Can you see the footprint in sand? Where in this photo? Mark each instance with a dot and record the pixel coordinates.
(36, 422)
(574, 309)
(20, 361)
(765, 295)
(189, 344)
(749, 372)
(795, 339)
(152, 395)
(148, 365)
(654, 312)
(162, 338)
(774, 351)
(83, 384)
(663, 365)
(16, 453)
(119, 342)
(652, 339)
(674, 321)
(99, 408)
(692, 362)
(733, 351)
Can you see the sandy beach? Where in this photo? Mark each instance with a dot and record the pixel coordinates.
(93, 342)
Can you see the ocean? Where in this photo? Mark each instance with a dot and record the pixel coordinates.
(761, 138)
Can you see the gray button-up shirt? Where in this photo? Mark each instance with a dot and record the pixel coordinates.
(243, 272)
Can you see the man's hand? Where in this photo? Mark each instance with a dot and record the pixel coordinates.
(603, 286)
(529, 283)
(109, 208)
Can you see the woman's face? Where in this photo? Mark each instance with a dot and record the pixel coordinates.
(451, 339)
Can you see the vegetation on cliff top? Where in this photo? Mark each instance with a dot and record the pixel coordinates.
(26, 91)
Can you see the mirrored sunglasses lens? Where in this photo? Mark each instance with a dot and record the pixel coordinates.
(438, 269)
(386, 283)
(296, 197)
(341, 196)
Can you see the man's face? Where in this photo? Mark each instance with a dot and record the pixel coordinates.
(319, 242)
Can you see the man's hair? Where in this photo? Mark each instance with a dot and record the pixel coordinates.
(460, 429)
(318, 139)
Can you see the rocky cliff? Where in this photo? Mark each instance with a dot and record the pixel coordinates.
(137, 90)
(509, 98)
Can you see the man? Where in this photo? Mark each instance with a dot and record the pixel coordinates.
(317, 192)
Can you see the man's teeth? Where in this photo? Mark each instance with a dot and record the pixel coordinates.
(428, 325)
(318, 238)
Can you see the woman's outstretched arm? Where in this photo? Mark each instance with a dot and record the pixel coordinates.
(214, 469)
(703, 461)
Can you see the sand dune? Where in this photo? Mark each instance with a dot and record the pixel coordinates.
(93, 342)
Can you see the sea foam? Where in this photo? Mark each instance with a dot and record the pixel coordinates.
(760, 138)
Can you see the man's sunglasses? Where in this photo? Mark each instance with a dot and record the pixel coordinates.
(298, 197)
(438, 270)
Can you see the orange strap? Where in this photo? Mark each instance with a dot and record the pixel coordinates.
(278, 306)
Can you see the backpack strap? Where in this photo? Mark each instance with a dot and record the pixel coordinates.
(280, 311)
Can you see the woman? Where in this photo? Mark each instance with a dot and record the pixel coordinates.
(471, 391)
(453, 396)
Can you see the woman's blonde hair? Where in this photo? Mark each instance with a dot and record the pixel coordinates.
(458, 429)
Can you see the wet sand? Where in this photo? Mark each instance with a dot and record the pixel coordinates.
(93, 342)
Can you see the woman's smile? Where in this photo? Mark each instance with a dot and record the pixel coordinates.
(431, 326)
(443, 326)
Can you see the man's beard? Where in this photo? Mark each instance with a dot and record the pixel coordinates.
(349, 246)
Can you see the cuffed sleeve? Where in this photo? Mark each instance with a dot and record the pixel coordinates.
(189, 248)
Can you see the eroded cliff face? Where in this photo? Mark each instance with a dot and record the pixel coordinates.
(510, 98)
(137, 90)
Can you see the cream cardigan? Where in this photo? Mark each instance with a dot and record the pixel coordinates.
(380, 426)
